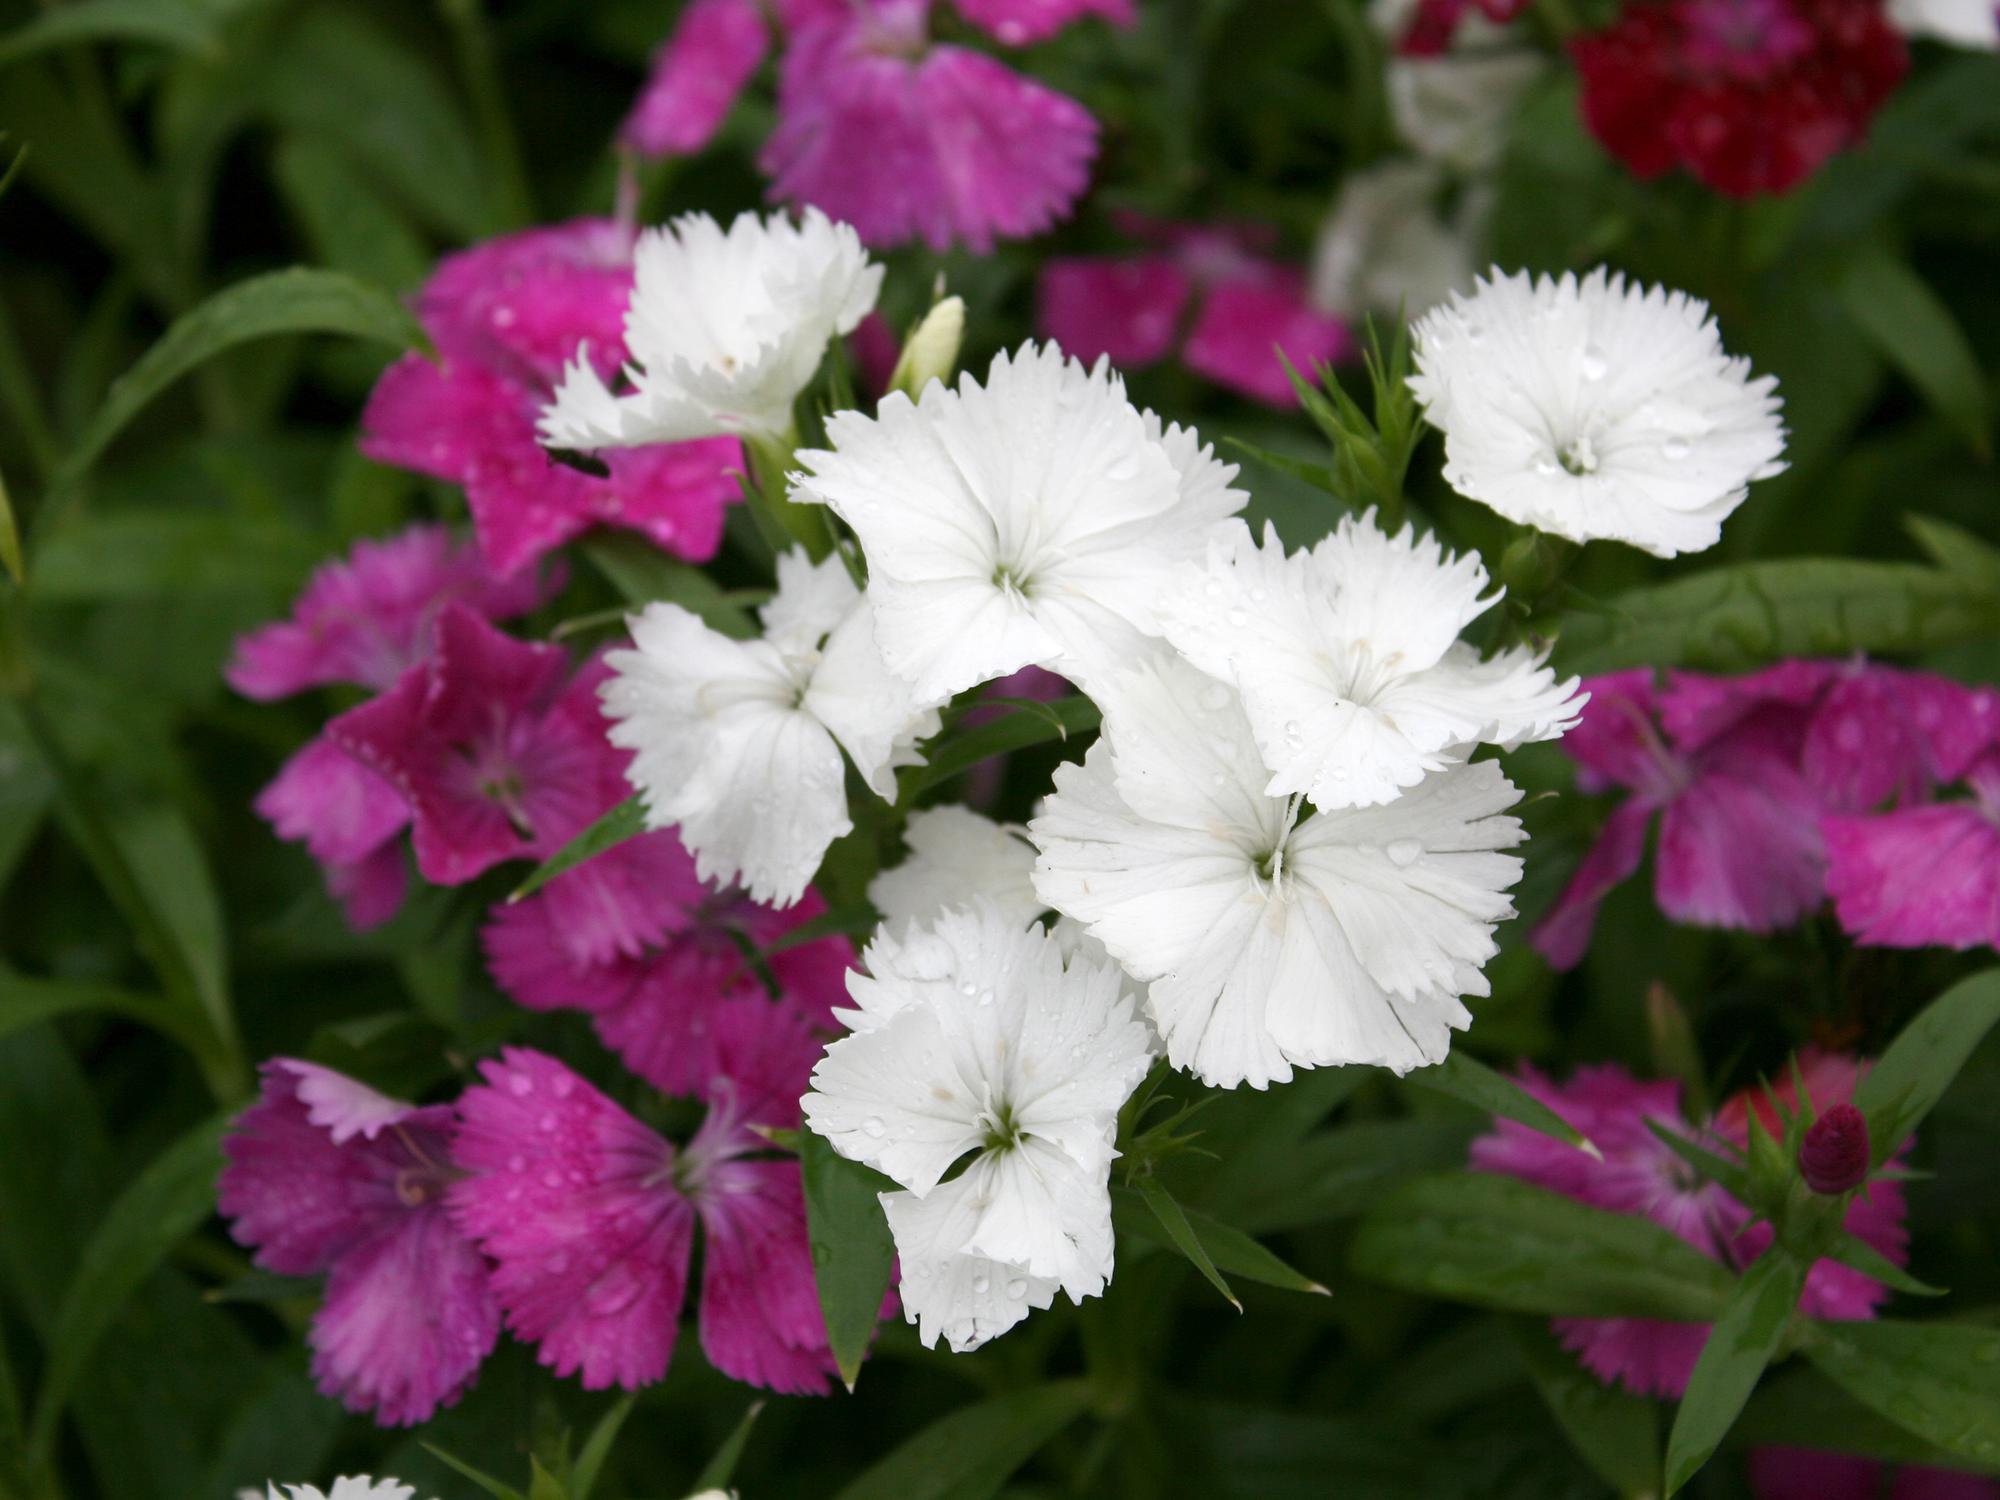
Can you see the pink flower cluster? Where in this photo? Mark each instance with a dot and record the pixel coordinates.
(1639, 1174)
(1246, 307)
(903, 138)
(1875, 788)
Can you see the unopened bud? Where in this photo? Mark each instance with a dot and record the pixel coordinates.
(932, 351)
(1834, 1155)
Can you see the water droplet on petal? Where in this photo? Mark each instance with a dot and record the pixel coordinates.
(1404, 852)
(1673, 450)
(982, 1283)
(1017, 1288)
(1594, 364)
(872, 1128)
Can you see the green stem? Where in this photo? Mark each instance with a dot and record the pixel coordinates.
(481, 70)
(783, 521)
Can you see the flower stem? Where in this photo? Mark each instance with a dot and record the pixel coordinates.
(782, 520)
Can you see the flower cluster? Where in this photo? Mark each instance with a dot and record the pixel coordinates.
(1875, 788)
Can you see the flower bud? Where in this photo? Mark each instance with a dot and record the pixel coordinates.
(932, 350)
(1834, 1155)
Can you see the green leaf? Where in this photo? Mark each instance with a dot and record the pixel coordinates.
(173, 876)
(299, 300)
(722, 1467)
(25, 1001)
(1617, 1434)
(484, 1480)
(1954, 549)
(119, 555)
(1318, 475)
(625, 821)
(851, 1248)
(1727, 619)
(1740, 1345)
(969, 1454)
(1913, 329)
(1940, 1381)
(162, 1206)
(1465, 1078)
(1852, 1251)
(10, 538)
(1012, 731)
(170, 23)
(1910, 1078)
(597, 1448)
(1174, 1220)
(349, 225)
(1498, 1242)
(1798, 1407)
(644, 574)
(542, 1485)
(1228, 1249)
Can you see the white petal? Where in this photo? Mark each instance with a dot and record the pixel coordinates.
(874, 714)
(811, 599)
(896, 1096)
(1038, 1209)
(956, 858)
(965, 1299)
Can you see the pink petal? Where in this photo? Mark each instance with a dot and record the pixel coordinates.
(574, 1201)
(1697, 709)
(1020, 22)
(712, 52)
(370, 891)
(1740, 848)
(1645, 1355)
(1807, 1474)
(1925, 876)
(518, 306)
(1125, 309)
(760, 1314)
(1241, 326)
(333, 804)
(341, 1106)
(664, 1030)
(1615, 743)
(1563, 935)
(408, 1318)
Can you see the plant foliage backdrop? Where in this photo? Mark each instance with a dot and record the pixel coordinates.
(1741, 1077)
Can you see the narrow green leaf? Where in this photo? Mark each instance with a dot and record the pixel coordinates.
(137, 554)
(169, 23)
(542, 1485)
(1798, 1407)
(349, 225)
(1740, 1345)
(1013, 731)
(1858, 1254)
(1465, 1078)
(299, 300)
(851, 1248)
(485, 1481)
(1319, 476)
(1953, 548)
(1617, 1434)
(173, 875)
(160, 1207)
(597, 1448)
(1940, 1381)
(10, 538)
(1910, 1078)
(1913, 329)
(1730, 618)
(1499, 1242)
(841, 921)
(25, 1001)
(1174, 1220)
(722, 1467)
(1229, 1249)
(969, 1454)
(625, 821)
(1731, 1175)
(645, 575)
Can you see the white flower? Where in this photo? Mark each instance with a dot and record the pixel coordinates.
(1384, 247)
(359, 1487)
(1273, 937)
(1029, 521)
(739, 742)
(1596, 409)
(1455, 108)
(723, 331)
(957, 857)
(1964, 23)
(975, 1035)
(1349, 664)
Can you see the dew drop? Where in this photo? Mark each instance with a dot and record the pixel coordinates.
(521, 1084)
(982, 1283)
(1404, 852)
(1673, 450)
(1017, 1288)
(1594, 364)
(546, 1124)
(563, 1086)
(872, 1128)
(1237, 618)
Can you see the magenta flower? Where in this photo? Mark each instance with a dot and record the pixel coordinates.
(1717, 760)
(370, 615)
(497, 756)
(1809, 1474)
(327, 1176)
(1640, 1175)
(634, 939)
(1922, 876)
(351, 822)
(1246, 307)
(906, 140)
(506, 317)
(590, 1217)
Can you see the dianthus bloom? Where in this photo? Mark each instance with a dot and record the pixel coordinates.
(1640, 1174)
(1030, 521)
(1751, 96)
(356, 1487)
(1595, 409)
(1811, 1474)
(1134, 309)
(1347, 657)
(1924, 875)
(506, 317)
(975, 1034)
(723, 329)
(906, 140)
(589, 1216)
(327, 1176)
(1386, 247)
(1453, 78)
(1274, 936)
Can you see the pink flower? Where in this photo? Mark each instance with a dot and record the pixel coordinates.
(1640, 1175)
(590, 1218)
(1808, 1474)
(351, 822)
(1718, 760)
(495, 754)
(1922, 876)
(1133, 309)
(905, 140)
(506, 317)
(365, 618)
(327, 1176)
(634, 939)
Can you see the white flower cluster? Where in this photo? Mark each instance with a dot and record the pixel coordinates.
(1279, 854)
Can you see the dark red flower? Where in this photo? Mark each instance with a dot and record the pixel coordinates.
(1834, 1155)
(1749, 95)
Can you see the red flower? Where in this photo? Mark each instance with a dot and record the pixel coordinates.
(1749, 95)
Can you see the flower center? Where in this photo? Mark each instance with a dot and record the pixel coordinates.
(1000, 1132)
(1578, 456)
(1746, 39)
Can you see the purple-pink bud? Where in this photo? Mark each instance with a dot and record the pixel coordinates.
(1834, 1154)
